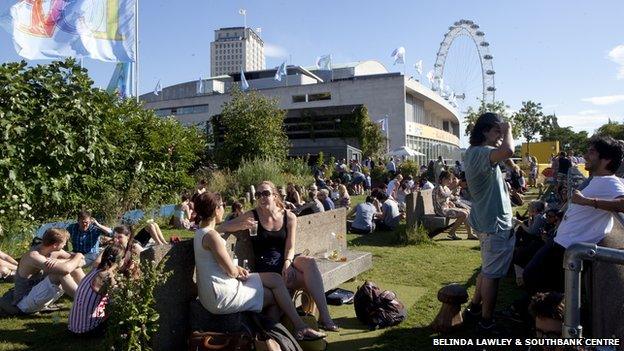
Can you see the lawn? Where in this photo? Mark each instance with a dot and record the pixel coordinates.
(416, 273)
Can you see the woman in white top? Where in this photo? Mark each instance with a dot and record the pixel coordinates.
(224, 288)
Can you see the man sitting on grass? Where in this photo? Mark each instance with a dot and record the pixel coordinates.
(47, 272)
(390, 214)
(85, 236)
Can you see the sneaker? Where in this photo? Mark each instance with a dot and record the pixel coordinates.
(472, 314)
(491, 329)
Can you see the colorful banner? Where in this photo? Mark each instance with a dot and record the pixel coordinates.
(51, 29)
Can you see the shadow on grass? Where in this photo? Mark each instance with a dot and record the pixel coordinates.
(41, 334)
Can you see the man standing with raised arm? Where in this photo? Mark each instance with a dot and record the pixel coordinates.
(491, 142)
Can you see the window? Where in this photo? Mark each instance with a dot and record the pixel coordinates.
(298, 98)
(319, 96)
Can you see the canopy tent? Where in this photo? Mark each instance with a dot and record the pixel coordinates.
(404, 151)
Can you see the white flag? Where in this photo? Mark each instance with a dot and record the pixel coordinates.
(430, 76)
(383, 124)
(55, 29)
(242, 12)
(157, 88)
(324, 62)
(419, 67)
(281, 72)
(398, 55)
(244, 85)
(200, 86)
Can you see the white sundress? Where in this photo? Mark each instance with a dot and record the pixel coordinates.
(218, 292)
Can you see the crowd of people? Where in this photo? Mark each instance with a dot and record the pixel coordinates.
(475, 194)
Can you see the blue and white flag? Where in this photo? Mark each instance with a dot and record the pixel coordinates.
(244, 85)
(120, 81)
(157, 88)
(398, 55)
(200, 86)
(52, 29)
(324, 62)
(281, 72)
(419, 67)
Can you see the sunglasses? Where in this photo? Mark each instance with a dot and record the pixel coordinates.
(265, 193)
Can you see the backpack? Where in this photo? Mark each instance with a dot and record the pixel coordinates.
(376, 308)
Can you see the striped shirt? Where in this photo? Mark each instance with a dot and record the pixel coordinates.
(85, 241)
(88, 309)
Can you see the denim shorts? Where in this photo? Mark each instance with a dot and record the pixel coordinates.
(496, 253)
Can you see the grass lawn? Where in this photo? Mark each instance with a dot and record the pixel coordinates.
(416, 273)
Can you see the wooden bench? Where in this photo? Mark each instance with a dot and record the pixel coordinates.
(314, 235)
(420, 210)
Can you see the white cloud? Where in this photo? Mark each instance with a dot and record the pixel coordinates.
(617, 55)
(588, 112)
(604, 100)
(274, 51)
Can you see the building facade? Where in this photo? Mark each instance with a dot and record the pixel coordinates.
(236, 48)
(317, 102)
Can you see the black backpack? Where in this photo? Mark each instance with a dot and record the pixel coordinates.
(376, 308)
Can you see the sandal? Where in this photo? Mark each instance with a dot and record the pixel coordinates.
(308, 334)
(328, 327)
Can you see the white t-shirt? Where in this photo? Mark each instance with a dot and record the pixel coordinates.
(585, 223)
(391, 185)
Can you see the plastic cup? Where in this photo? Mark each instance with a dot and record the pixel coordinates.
(253, 231)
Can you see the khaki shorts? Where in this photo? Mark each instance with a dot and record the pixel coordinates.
(496, 253)
(40, 296)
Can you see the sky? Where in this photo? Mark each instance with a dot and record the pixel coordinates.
(567, 55)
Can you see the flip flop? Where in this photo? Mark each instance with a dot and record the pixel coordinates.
(330, 328)
(300, 335)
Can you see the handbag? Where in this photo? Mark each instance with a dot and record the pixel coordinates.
(205, 341)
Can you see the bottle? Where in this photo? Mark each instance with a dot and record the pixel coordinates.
(234, 258)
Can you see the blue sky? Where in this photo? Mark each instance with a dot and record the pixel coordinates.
(568, 55)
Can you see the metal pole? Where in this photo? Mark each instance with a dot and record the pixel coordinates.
(136, 49)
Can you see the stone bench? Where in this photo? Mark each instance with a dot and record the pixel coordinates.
(175, 299)
(420, 210)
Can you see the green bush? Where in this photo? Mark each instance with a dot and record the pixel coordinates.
(409, 167)
(67, 146)
(379, 174)
(133, 319)
(297, 166)
(413, 236)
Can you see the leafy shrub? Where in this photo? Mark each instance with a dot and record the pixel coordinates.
(255, 171)
(379, 174)
(413, 236)
(66, 146)
(409, 167)
(133, 319)
(297, 166)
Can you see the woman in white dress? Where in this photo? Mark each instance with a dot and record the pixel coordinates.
(224, 288)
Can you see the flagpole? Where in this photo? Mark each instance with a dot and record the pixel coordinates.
(136, 49)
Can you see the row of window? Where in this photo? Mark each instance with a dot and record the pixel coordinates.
(311, 97)
(183, 110)
(432, 149)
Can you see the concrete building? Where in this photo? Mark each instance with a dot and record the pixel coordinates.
(417, 116)
(236, 48)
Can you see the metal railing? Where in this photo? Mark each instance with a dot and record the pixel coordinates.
(573, 266)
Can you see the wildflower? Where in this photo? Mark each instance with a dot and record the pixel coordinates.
(14, 197)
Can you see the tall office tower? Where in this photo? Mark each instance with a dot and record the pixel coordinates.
(236, 48)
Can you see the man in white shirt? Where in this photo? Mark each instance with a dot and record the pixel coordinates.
(393, 186)
(589, 217)
(391, 166)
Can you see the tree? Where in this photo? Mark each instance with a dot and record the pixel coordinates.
(251, 126)
(613, 129)
(65, 145)
(498, 107)
(528, 119)
(569, 139)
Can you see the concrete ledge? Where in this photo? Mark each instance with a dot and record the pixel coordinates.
(336, 273)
